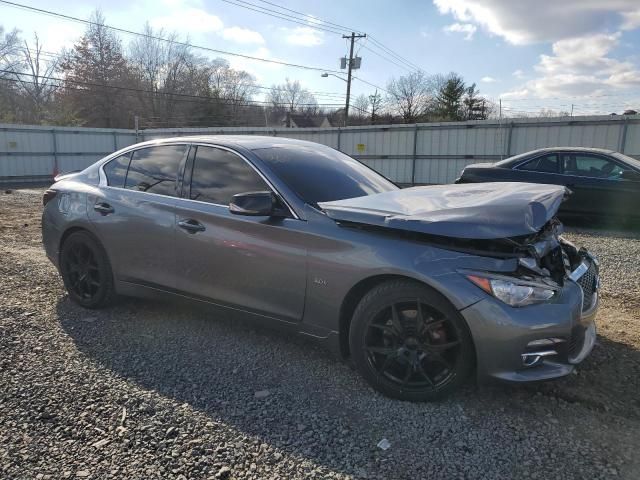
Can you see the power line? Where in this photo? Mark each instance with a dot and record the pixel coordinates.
(404, 60)
(388, 59)
(345, 29)
(312, 18)
(328, 95)
(316, 23)
(371, 84)
(579, 97)
(164, 94)
(154, 37)
(282, 16)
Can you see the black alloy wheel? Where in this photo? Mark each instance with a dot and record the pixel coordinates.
(409, 342)
(86, 271)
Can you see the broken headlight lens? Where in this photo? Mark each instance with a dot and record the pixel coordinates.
(513, 292)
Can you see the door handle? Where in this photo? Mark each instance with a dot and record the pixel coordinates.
(103, 208)
(191, 225)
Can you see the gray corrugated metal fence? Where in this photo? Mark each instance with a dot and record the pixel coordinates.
(421, 153)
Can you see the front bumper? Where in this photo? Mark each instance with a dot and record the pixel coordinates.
(536, 342)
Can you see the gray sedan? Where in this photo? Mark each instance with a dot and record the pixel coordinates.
(421, 287)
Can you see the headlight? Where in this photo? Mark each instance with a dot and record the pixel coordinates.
(512, 292)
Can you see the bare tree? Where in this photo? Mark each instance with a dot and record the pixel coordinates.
(36, 82)
(375, 101)
(234, 88)
(411, 95)
(361, 108)
(291, 96)
(9, 52)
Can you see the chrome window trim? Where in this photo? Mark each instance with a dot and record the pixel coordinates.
(612, 159)
(537, 157)
(255, 169)
(103, 177)
(127, 150)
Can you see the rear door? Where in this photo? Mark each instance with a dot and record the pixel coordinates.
(134, 213)
(542, 169)
(257, 264)
(597, 185)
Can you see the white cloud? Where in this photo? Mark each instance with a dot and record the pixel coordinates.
(580, 67)
(199, 21)
(518, 74)
(488, 79)
(195, 19)
(59, 35)
(527, 21)
(465, 28)
(242, 35)
(304, 36)
(631, 20)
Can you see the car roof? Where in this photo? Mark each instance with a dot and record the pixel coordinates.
(508, 162)
(573, 149)
(250, 142)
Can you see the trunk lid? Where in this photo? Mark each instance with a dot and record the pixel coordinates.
(469, 211)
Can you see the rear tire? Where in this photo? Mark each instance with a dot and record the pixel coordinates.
(86, 271)
(409, 342)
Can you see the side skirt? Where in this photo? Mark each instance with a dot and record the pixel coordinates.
(328, 338)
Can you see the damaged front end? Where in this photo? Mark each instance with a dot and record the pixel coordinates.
(537, 318)
(549, 268)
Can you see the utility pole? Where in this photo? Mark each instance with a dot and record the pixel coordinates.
(353, 37)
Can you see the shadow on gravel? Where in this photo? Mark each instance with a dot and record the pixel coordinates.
(314, 406)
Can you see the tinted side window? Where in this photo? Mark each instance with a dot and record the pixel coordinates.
(116, 170)
(320, 174)
(546, 163)
(219, 174)
(592, 166)
(155, 169)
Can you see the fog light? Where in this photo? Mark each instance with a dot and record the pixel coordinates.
(531, 359)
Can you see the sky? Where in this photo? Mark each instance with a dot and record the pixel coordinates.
(532, 54)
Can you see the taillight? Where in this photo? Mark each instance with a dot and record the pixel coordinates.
(48, 196)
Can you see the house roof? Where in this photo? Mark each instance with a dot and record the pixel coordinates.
(306, 121)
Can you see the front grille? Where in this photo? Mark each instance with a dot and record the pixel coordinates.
(588, 284)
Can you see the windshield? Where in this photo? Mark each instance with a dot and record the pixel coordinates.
(632, 162)
(322, 174)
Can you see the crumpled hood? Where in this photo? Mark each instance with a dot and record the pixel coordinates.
(473, 211)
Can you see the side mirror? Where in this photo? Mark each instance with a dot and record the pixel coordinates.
(631, 175)
(255, 204)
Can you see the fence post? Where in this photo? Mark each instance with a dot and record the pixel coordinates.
(115, 141)
(339, 130)
(509, 139)
(623, 136)
(415, 151)
(55, 153)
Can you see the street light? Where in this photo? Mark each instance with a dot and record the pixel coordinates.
(346, 107)
(325, 75)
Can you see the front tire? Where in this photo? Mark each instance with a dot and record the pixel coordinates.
(86, 271)
(409, 342)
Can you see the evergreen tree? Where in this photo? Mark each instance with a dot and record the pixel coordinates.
(449, 99)
(94, 69)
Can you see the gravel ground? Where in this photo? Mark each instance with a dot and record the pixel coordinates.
(146, 390)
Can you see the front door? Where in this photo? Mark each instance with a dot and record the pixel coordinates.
(134, 215)
(257, 264)
(598, 187)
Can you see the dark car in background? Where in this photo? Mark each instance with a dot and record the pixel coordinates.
(604, 184)
(419, 286)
